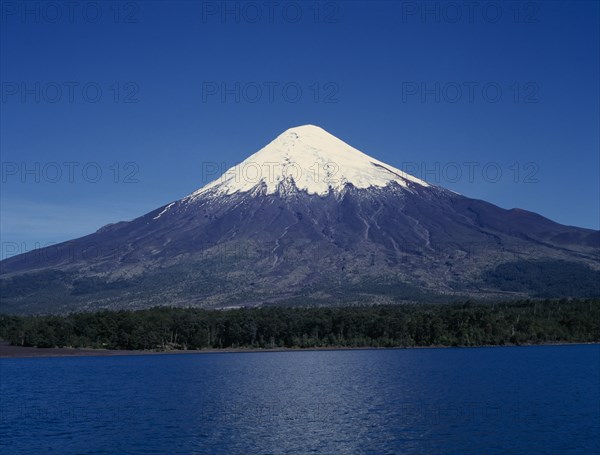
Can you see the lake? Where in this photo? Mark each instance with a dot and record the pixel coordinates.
(516, 400)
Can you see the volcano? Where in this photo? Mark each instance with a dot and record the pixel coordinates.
(308, 220)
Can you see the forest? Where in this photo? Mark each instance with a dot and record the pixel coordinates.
(403, 325)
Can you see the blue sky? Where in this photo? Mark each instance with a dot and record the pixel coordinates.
(110, 110)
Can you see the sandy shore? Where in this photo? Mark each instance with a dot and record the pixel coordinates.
(8, 351)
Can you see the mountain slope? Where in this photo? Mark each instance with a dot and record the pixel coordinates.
(306, 159)
(307, 219)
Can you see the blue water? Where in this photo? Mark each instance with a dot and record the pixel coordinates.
(519, 400)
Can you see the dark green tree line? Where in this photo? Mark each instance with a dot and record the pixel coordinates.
(463, 324)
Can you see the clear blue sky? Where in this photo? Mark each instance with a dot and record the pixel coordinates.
(428, 87)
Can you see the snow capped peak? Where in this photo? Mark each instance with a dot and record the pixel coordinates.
(308, 129)
(306, 158)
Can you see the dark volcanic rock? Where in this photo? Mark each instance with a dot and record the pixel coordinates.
(285, 241)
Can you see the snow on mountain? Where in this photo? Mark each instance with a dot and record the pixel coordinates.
(306, 158)
(390, 238)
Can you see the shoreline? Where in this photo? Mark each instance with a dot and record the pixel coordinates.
(8, 351)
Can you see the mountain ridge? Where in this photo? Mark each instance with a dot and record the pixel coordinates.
(313, 160)
(275, 241)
